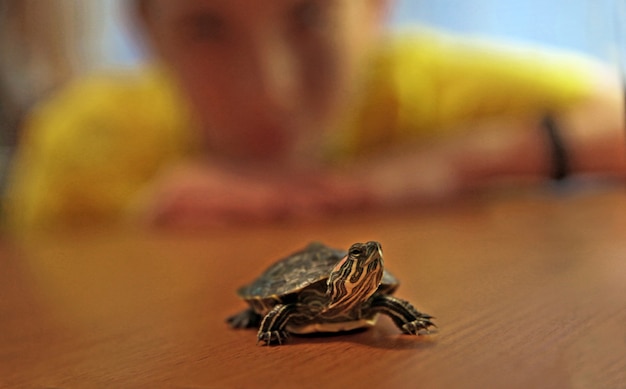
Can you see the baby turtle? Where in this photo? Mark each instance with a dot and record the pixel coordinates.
(321, 289)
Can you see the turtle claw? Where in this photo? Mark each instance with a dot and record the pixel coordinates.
(408, 319)
(419, 326)
(272, 338)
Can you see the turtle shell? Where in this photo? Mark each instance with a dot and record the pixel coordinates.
(300, 270)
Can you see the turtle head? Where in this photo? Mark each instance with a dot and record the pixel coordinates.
(356, 277)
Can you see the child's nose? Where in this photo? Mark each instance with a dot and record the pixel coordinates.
(274, 75)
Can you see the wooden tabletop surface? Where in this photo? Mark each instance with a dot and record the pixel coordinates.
(529, 291)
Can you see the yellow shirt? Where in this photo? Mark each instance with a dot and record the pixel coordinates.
(88, 151)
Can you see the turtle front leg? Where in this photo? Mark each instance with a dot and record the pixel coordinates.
(272, 330)
(403, 314)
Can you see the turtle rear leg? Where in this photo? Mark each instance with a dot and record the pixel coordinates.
(272, 329)
(245, 319)
(403, 314)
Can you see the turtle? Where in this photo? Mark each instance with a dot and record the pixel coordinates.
(322, 289)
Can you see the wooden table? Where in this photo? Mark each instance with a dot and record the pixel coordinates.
(529, 291)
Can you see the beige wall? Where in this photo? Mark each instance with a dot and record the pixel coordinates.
(43, 43)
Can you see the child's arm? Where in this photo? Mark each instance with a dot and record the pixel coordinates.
(592, 132)
(204, 193)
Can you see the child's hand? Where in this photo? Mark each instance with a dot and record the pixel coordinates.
(199, 195)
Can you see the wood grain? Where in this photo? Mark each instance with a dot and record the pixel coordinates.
(528, 291)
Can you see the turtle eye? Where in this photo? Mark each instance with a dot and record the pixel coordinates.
(355, 252)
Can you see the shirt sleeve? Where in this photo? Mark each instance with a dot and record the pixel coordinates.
(443, 81)
(428, 84)
(87, 151)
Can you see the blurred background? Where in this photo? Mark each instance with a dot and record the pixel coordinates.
(44, 43)
(581, 25)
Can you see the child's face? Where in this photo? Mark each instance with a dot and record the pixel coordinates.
(265, 76)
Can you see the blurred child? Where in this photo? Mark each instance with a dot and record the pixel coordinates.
(257, 111)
